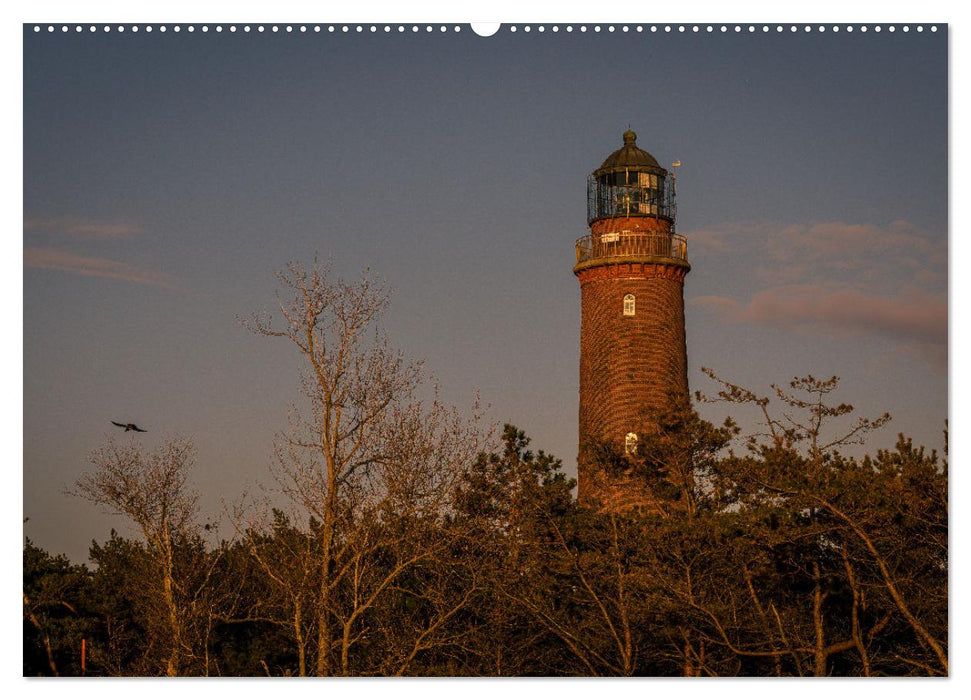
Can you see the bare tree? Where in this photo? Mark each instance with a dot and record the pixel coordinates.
(365, 459)
(151, 489)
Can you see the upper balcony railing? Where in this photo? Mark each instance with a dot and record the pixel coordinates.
(632, 244)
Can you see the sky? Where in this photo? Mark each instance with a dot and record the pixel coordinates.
(168, 177)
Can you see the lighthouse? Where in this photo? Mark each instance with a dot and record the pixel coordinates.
(633, 358)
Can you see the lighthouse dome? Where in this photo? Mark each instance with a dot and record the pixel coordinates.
(629, 156)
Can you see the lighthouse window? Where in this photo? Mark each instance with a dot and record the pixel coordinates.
(647, 180)
(630, 443)
(629, 305)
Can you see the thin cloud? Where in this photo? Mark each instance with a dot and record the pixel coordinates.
(77, 227)
(855, 255)
(55, 259)
(911, 316)
(726, 237)
(840, 242)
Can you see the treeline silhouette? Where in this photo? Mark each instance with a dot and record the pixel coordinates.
(779, 566)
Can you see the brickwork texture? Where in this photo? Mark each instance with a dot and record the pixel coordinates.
(629, 365)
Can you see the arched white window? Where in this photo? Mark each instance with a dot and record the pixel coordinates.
(630, 443)
(629, 305)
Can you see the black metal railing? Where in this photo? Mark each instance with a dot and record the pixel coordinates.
(632, 244)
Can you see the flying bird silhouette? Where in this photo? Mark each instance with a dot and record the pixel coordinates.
(129, 426)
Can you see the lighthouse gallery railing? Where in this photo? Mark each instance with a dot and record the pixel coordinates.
(625, 244)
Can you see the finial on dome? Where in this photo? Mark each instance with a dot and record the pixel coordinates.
(630, 138)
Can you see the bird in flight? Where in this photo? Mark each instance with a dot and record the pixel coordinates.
(129, 426)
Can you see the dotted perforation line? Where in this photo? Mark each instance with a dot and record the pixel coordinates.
(723, 28)
(248, 28)
(428, 28)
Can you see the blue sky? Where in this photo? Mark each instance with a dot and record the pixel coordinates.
(168, 177)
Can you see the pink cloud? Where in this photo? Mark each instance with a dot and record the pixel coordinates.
(912, 315)
(54, 259)
(840, 243)
(858, 255)
(81, 228)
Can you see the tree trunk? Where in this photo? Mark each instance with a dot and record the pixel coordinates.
(819, 652)
(172, 665)
(46, 639)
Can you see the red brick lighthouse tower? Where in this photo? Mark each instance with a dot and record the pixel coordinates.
(631, 269)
